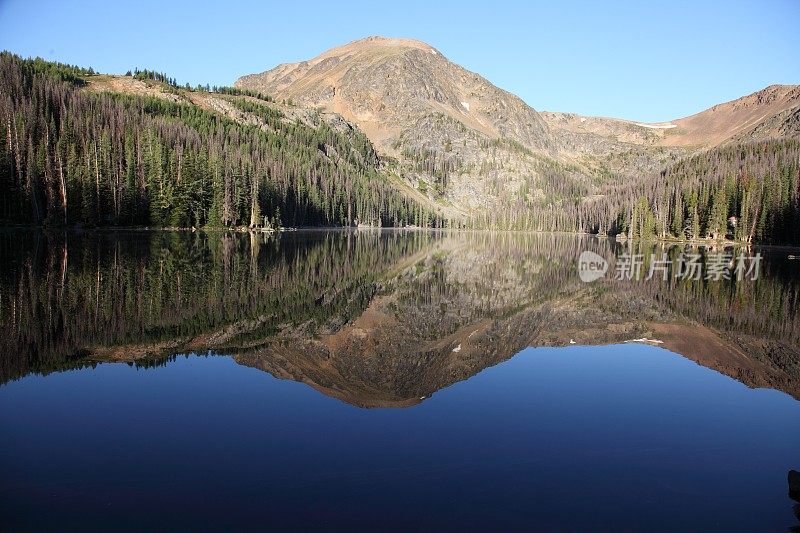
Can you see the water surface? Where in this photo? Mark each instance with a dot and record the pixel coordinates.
(394, 380)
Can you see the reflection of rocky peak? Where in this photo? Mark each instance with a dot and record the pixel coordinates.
(461, 309)
(387, 319)
(444, 317)
(378, 361)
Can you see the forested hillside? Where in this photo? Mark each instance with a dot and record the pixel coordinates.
(71, 156)
(746, 192)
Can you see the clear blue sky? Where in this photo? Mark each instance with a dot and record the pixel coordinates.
(627, 59)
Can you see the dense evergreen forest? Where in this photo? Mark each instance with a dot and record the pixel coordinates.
(71, 156)
(746, 192)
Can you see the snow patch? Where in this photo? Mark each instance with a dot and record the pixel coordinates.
(433, 51)
(457, 349)
(466, 105)
(657, 126)
(648, 341)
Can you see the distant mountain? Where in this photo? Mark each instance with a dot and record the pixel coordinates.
(770, 113)
(468, 148)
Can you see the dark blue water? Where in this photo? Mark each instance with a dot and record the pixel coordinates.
(616, 437)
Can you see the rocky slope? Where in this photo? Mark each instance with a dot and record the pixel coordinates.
(465, 145)
(769, 113)
(629, 147)
(457, 138)
(398, 87)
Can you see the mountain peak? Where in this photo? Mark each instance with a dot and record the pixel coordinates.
(418, 108)
(376, 46)
(389, 86)
(395, 42)
(439, 121)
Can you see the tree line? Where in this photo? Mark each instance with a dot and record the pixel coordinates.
(746, 192)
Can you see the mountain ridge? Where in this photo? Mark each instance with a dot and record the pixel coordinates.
(780, 97)
(470, 146)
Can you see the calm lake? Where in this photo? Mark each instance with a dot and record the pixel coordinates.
(394, 380)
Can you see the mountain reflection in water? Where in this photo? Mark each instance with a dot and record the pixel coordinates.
(376, 319)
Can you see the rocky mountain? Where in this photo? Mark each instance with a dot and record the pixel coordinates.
(465, 145)
(456, 138)
(402, 91)
(769, 113)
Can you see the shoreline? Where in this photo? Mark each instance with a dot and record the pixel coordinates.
(269, 231)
